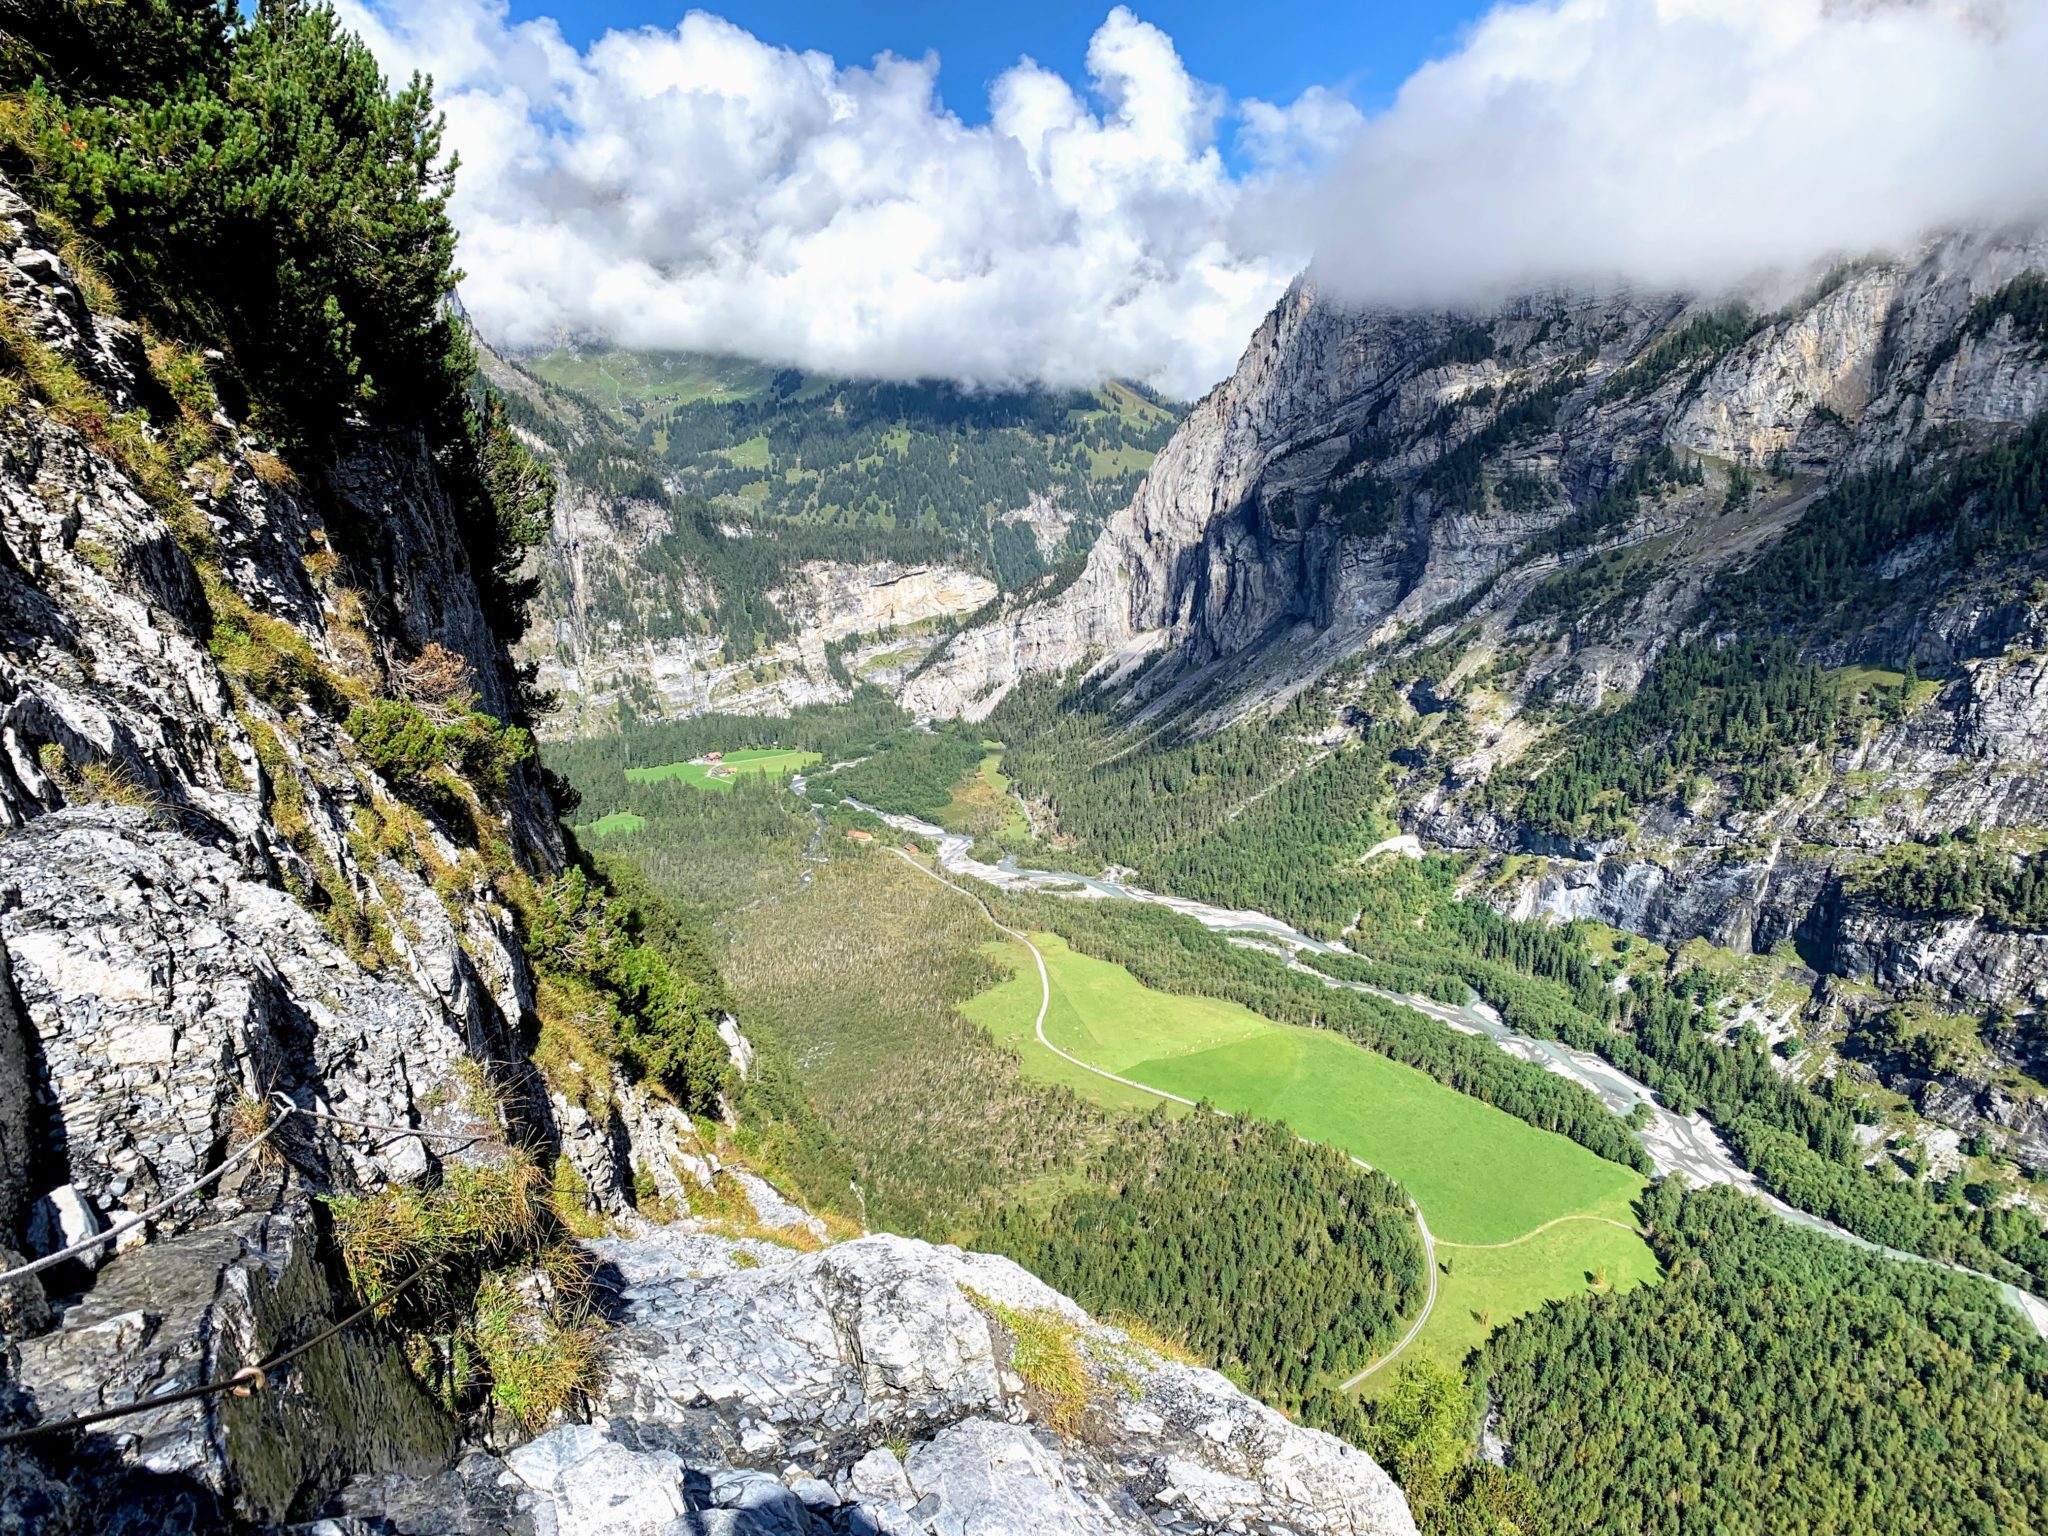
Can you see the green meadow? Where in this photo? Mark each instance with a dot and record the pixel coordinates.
(1480, 1289)
(751, 760)
(1489, 1184)
(614, 824)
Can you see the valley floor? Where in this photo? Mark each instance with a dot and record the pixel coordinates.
(1520, 1216)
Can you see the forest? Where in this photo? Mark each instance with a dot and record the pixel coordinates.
(1776, 1381)
(1252, 816)
(1328, 1247)
(1954, 878)
(929, 456)
(860, 974)
(1750, 708)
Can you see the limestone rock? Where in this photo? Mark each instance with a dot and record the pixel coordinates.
(195, 1308)
(752, 1389)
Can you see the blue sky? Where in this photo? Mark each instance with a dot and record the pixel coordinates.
(1271, 50)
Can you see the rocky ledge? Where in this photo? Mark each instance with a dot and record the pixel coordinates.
(882, 1385)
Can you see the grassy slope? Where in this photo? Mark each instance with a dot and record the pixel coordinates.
(752, 760)
(1481, 1176)
(609, 825)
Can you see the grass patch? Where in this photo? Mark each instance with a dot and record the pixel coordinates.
(1481, 1289)
(501, 1306)
(539, 1364)
(982, 806)
(751, 454)
(616, 824)
(756, 760)
(476, 1214)
(1045, 1351)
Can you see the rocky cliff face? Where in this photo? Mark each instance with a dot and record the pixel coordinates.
(1346, 480)
(213, 905)
(625, 615)
(848, 624)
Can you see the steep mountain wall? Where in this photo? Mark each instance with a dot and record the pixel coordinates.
(1515, 516)
(1243, 530)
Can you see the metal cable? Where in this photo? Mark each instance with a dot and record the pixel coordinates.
(129, 1223)
(246, 1382)
(286, 1110)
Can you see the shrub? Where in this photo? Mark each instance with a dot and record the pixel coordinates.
(657, 1011)
(539, 1362)
(413, 753)
(1043, 1351)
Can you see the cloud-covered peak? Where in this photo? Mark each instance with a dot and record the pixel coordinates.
(1687, 144)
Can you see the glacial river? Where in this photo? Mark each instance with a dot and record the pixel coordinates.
(1687, 1144)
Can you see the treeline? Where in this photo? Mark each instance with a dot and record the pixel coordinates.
(1697, 344)
(1458, 477)
(1776, 1381)
(703, 551)
(626, 978)
(597, 764)
(242, 182)
(1184, 1222)
(1830, 567)
(1750, 706)
(710, 850)
(1617, 503)
(1172, 953)
(1957, 879)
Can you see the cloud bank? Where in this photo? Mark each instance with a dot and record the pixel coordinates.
(696, 188)
(1687, 144)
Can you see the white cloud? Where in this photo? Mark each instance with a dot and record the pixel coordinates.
(1687, 144)
(696, 188)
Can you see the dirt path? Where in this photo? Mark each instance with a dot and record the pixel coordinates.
(1556, 1221)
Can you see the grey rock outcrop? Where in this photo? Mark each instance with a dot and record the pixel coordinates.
(194, 919)
(754, 1390)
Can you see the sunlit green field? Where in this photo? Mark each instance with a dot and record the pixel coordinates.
(616, 823)
(1480, 1289)
(751, 760)
(1481, 1176)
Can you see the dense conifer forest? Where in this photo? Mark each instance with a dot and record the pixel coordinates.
(1328, 1248)
(1776, 1381)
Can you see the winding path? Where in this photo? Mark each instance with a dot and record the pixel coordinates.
(1038, 1029)
(1555, 1221)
